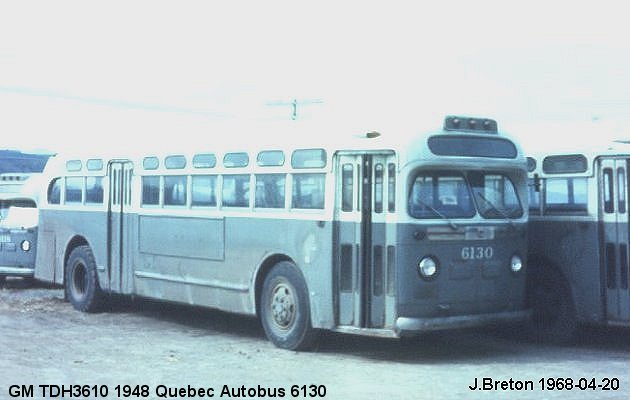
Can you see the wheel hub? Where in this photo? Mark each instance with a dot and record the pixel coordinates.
(283, 306)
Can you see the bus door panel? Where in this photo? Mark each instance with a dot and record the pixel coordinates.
(364, 241)
(347, 240)
(381, 241)
(119, 225)
(613, 210)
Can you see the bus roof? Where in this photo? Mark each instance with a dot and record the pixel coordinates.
(15, 161)
(289, 135)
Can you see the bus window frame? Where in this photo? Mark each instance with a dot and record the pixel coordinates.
(433, 212)
(561, 209)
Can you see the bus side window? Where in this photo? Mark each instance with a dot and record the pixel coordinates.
(566, 195)
(94, 190)
(175, 190)
(204, 190)
(235, 191)
(308, 191)
(150, 190)
(74, 189)
(54, 191)
(270, 190)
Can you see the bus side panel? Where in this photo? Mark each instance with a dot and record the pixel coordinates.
(310, 242)
(182, 236)
(46, 262)
(182, 259)
(53, 248)
(218, 269)
(574, 250)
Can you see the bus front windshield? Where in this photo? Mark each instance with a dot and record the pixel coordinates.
(453, 195)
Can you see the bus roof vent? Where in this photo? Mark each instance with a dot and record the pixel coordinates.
(469, 124)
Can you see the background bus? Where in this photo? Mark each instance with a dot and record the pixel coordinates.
(378, 234)
(579, 240)
(18, 211)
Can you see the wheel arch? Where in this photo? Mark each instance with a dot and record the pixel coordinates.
(552, 297)
(538, 265)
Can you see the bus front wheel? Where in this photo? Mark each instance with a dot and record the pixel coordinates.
(285, 311)
(81, 281)
(554, 318)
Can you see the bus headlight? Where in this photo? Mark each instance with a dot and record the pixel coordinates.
(25, 245)
(516, 263)
(428, 267)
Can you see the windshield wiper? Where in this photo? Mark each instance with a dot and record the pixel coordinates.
(439, 214)
(496, 209)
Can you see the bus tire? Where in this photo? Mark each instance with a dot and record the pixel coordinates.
(285, 311)
(81, 281)
(553, 312)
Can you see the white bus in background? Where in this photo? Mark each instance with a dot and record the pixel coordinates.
(386, 234)
(18, 224)
(19, 189)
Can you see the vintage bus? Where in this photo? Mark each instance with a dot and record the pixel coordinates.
(18, 226)
(18, 211)
(380, 234)
(578, 246)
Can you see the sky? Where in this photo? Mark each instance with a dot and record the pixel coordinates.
(76, 74)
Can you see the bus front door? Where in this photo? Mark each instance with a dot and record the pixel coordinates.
(613, 211)
(364, 243)
(118, 224)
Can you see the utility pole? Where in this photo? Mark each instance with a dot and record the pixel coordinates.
(294, 105)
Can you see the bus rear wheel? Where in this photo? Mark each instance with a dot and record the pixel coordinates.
(285, 311)
(81, 281)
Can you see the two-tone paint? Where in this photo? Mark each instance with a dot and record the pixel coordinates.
(359, 261)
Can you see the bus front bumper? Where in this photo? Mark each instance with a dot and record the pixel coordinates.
(415, 325)
(16, 271)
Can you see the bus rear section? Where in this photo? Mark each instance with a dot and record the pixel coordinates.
(431, 237)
